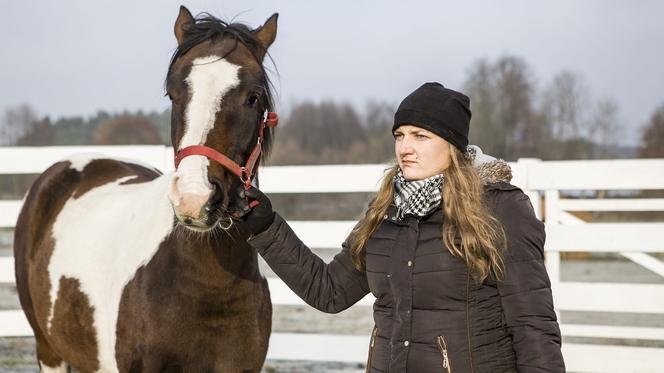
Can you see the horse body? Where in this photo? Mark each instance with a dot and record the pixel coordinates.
(88, 249)
(122, 269)
(118, 290)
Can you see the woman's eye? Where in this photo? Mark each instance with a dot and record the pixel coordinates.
(251, 100)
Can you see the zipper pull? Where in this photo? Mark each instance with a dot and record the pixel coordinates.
(443, 349)
(373, 337)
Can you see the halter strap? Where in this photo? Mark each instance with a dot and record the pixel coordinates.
(245, 173)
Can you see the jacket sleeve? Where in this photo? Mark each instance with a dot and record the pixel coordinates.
(330, 287)
(525, 289)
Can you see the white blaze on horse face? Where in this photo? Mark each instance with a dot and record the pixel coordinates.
(189, 188)
(210, 79)
(86, 243)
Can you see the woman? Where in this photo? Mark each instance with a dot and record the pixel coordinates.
(451, 250)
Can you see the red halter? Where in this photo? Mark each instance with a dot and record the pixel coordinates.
(246, 173)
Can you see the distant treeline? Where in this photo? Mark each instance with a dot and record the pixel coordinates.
(512, 118)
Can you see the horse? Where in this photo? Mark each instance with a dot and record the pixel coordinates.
(120, 268)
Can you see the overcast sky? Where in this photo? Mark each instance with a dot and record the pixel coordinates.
(76, 57)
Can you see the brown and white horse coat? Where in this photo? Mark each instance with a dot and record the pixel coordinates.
(122, 269)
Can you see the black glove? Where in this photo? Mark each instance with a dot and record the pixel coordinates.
(255, 219)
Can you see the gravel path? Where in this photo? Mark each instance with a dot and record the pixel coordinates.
(17, 356)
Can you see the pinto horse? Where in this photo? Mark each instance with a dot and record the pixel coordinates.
(122, 269)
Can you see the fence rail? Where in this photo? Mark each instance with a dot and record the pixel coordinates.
(542, 181)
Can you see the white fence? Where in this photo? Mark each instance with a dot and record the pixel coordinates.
(543, 181)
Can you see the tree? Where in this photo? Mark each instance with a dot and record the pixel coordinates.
(17, 122)
(504, 122)
(605, 127)
(652, 141)
(379, 116)
(322, 129)
(126, 129)
(565, 100)
(515, 114)
(328, 133)
(379, 146)
(162, 120)
(40, 135)
(565, 105)
(72, 131)
(484, 131)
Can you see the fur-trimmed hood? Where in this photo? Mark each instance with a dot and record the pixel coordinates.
(490, 169)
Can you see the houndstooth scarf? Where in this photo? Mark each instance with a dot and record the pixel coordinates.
(417, 197)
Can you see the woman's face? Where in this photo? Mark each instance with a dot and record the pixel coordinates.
(420, 153)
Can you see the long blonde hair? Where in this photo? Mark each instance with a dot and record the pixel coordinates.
(465, 213)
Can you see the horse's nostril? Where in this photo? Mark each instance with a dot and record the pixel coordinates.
(188, 221)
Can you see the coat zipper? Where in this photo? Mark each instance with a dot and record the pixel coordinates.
(470, 348)
(371, 348)
(442, 345)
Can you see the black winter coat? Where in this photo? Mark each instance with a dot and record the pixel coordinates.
(430, 315)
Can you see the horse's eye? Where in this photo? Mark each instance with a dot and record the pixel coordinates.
(251, 100)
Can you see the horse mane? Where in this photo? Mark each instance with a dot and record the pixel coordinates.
(208, 27)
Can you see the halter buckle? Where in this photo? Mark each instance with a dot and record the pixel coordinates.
(245, 177)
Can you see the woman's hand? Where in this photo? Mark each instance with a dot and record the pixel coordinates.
(257, 218)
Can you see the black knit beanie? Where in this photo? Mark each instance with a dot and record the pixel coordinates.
(440, 110)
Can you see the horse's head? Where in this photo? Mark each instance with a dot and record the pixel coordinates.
(219, 92)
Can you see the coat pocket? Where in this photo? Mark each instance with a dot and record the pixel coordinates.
(442, 347)
(372, 344)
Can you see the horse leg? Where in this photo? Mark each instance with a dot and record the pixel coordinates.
(49, 361)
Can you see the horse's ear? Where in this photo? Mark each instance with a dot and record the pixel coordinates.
(268, 32)
(184, 20)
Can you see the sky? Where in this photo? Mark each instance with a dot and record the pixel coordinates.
(77, 57)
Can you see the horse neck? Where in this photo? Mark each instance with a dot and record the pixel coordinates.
(216, 262)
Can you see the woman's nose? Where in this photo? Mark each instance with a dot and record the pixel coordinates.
(405, 147)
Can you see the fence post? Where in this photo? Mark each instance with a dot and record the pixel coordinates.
(522, 179)
(552, 217)
(169, 155)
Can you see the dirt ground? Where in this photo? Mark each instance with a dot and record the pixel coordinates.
(17, 354)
